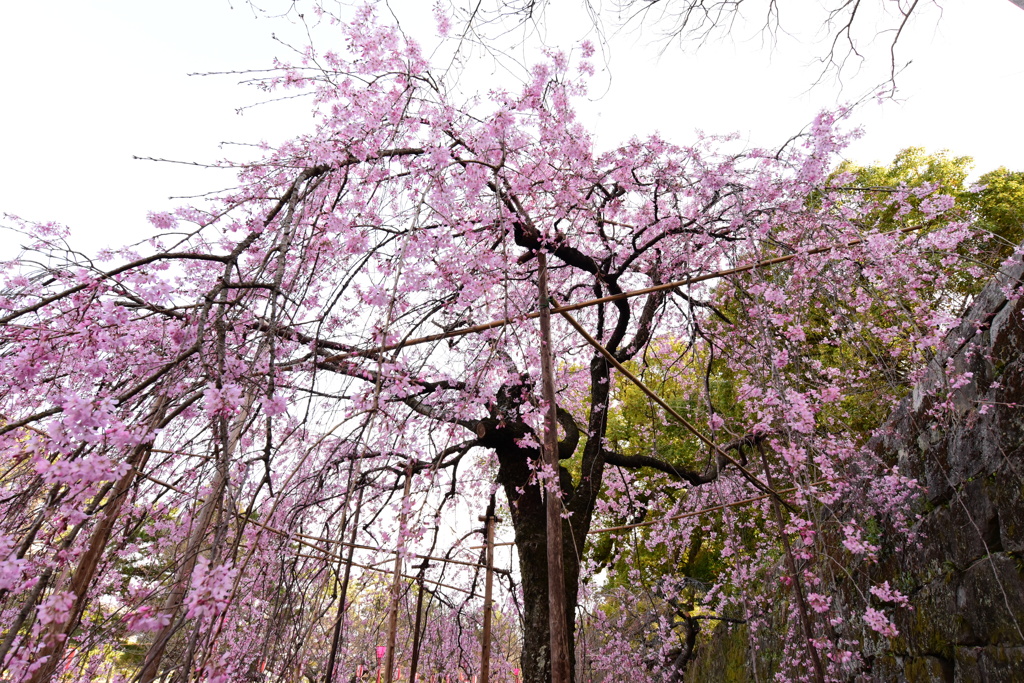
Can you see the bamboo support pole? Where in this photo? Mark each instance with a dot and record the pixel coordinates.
(671, 518)
(623, 527)
(489, 521)
(396, 585)
(187, 455)
(410, 577)
(560, 668)
(298, 537)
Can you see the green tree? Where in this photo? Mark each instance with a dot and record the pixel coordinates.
(994, 205)
(998, 203)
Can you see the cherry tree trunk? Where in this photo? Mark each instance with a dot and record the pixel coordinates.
(529, 520)
(531, 540)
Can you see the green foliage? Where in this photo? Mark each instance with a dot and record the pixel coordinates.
(911, 168)
(131, 655)
(995, 205)
(862, 343)
(999, 207)
(995, 209)
(637, 426)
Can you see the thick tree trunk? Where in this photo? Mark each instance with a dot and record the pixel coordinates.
(502, 432)
(529, 520)
(531, 540)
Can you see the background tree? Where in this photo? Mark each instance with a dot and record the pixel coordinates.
(849, 31)
(992, 204)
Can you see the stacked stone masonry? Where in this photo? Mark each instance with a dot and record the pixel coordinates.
(966, 580)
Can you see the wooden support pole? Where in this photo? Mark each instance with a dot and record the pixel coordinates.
(411, 577)
(485, 651)
(396, 585)
(672, 518)
(714, 275)
(414, 666)
(556, 572)
(339, 623)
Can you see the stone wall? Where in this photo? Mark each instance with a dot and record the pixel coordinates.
(966, 580)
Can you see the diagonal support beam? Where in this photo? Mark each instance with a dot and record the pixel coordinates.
(747, 474)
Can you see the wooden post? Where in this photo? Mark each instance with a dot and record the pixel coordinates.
(485, 654)
(396, 585)
(339, 622)
(556, 572)
(423, 566)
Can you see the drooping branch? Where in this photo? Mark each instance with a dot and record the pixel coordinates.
(710, 473)
(719, 451)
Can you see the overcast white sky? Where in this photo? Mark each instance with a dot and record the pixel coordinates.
(87, 85)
